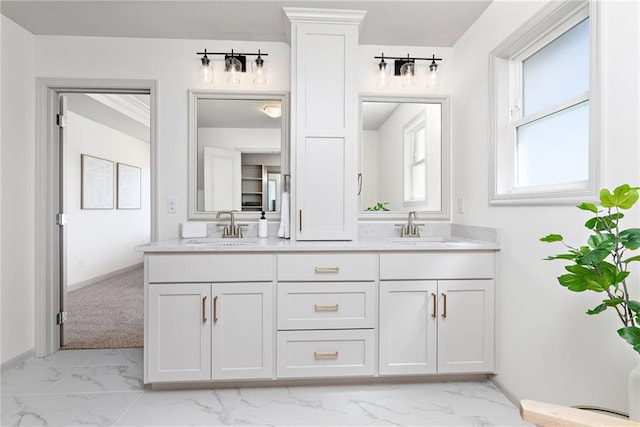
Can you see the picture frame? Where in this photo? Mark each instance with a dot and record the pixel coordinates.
(96, 183)
(129, 180)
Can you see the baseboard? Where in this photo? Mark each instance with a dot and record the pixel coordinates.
(102, 277)
(505, 391)
(17, 361)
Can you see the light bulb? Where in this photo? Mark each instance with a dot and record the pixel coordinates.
(433, 80)
(205, 73)
(408, 74)
(259, 71)
(382, 74)
(233, 68)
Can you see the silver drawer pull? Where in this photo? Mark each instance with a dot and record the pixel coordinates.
(327, 269)
(317, 307)
(317, 355)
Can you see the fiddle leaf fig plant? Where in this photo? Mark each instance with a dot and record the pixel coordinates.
(602, 264)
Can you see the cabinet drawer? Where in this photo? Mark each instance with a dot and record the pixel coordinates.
(326, 267)
(335, 305)
(169, 268)
(437, 265)
(326, 353)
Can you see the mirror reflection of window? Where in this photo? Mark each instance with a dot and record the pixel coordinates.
(402, 156)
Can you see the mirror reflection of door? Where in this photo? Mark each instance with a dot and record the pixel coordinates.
(222, 179)
(273, 191)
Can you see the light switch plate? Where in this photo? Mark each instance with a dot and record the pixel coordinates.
(172, 205)
(460, 205)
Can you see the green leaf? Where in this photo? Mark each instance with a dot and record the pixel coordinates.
(623, 197)
(633, 258)
(634, 306)
(630, 238)
(573, 283)
(631, 334)
(613, 301)
(593, 257)
(561, 256)
(551, 238)
(591, 223)
(597, 284)
(621, 275)
(602, 241)
(597, 310)
(588, 207)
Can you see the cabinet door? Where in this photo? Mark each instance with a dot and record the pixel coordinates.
(466, 326)
(408, 327)
(324, 130)
(242, 331)
(179, 332)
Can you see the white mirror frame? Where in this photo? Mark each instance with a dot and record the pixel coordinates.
(445, 208)
(194, 96)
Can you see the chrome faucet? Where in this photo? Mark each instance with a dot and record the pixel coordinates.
(411, 228)
(233, 230)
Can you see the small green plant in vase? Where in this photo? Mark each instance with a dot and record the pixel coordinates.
(602, 264)
(380, 206)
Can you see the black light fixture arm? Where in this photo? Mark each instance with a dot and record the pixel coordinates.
(399, 61)
(405, 58)
(233, 54)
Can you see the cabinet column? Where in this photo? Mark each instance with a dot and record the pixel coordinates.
(324, 122)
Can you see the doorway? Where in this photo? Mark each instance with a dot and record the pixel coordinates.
(93, 189)
(105, 174)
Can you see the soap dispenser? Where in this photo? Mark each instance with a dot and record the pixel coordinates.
(263, 226)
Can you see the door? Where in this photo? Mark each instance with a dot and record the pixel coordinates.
(242, 331)
(179, 333)
(61, 220)
(408, 325)
(466, 326)
(222, 179)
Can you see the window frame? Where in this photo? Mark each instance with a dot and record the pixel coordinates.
(506, 112)
(410, 131)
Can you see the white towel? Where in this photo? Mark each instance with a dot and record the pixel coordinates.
(283, 230)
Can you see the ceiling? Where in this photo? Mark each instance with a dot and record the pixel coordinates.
(236, 113)
(412, 23)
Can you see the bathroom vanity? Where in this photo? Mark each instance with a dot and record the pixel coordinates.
(270, 309)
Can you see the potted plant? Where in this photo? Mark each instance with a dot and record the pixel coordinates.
(602, 266)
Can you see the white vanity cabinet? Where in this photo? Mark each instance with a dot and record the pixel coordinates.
(209, 331)
(436, 313)
(327, 315)
(324, 122)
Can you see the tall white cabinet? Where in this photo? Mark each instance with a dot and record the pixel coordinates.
(324, 122)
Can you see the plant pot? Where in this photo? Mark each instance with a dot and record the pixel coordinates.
(634, 393)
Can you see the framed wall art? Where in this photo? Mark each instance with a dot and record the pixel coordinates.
(97, 183)
(129, 186)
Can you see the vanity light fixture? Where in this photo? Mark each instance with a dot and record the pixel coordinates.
(405, 67)
(272, 110)
(234, 64)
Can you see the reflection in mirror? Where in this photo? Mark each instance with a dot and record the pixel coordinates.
(404, 156)
(236, 149)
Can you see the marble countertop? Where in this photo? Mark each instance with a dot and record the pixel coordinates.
(274, 244)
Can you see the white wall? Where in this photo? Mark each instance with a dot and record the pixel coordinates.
(102, 241)
(369, 150)
(547, 348)
(173, 64)
(17, 191)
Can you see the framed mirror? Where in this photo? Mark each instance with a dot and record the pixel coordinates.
(404, 157)
(238, 153)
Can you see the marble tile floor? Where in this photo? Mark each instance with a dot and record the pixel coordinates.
(104, 388)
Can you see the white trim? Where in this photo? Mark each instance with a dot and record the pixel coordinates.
(128, 105)
(47, 339)
(100, 278)
(16, 361)
(505, 111)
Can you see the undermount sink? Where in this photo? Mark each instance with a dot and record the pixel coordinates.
(435, 239)
(220, 241)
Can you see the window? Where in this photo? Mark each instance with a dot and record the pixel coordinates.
(415, 175)
(544, 118)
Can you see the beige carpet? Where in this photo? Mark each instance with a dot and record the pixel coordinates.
(107, 314)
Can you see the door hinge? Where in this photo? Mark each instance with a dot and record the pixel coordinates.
(61, 120)
(61, 318)
(61, 219)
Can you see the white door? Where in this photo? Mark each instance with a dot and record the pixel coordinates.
(408, 324)
(179, 332)
(466, 326)
(222, 179)
(242, 331)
